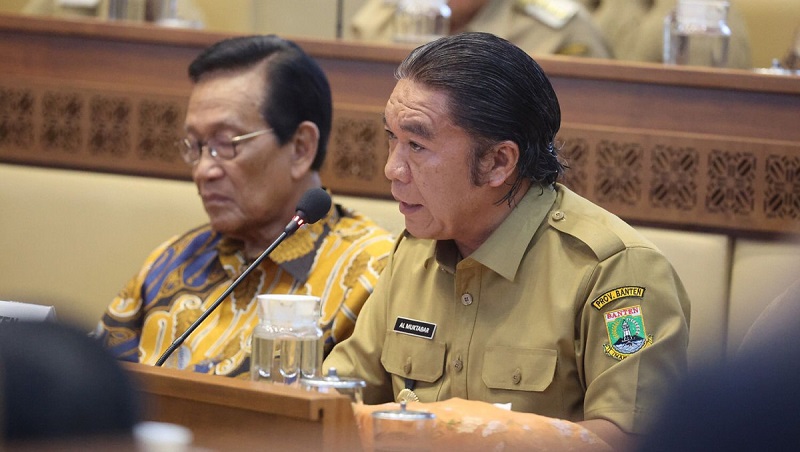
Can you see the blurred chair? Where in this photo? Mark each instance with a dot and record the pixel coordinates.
(780, 318)
(761, 269)
(702, 260)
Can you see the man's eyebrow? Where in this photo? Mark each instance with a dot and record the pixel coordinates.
(415, 128)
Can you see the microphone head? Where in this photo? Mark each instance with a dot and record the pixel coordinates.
(314, 205)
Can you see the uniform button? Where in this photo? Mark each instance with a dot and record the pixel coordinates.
(458, 365)
(557, 215)
(517, 377)
(407, 366)
(466, 299)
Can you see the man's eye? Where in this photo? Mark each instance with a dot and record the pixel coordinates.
(415, 146)
(390, 135)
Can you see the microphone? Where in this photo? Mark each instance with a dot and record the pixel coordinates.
(313, 205)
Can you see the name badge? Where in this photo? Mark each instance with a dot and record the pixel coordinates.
(415, 327)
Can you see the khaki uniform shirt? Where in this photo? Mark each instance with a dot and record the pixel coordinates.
(565, 311)
(186, 10)
(536, 26)
(60, 9)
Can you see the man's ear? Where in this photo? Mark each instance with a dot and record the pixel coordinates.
(304, 151)
(500, 164)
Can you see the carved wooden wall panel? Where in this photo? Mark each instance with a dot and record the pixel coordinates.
(357, 152)
(55, 124)
(706, 182)
(646, 176)
(677, 147)
(684, 179)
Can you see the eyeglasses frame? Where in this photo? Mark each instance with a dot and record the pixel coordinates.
(184, 146)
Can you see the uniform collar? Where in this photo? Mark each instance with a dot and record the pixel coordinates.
(503, 251)
(295, 255)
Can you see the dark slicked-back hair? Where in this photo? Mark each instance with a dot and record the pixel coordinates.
(296, 90)
(496, 92)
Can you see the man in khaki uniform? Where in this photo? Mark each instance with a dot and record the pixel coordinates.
(537, 26)
(175, 13)
(507, 287)
(89, 8)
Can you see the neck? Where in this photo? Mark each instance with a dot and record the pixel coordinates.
(495, 217)
(256, 244)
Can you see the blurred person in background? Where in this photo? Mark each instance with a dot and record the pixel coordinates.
(166, 12)
(538, 27)
(634, 30)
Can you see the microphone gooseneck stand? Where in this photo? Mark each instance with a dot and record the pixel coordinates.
(177, 343)
(314, 204)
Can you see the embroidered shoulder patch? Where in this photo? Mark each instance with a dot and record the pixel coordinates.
(626, 334)
(618, 294)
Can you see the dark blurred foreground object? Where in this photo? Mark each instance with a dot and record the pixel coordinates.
(749, 404)
(57, 383)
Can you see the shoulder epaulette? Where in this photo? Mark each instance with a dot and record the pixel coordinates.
(603, 242)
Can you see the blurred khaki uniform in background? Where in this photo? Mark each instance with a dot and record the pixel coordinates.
(155, 10)
(537, 26)
(89, 8)
(634, 29)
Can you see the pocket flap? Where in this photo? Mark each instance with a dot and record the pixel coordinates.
(519, 369)
(413, 357)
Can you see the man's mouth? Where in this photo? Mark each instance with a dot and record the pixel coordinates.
(408, 209)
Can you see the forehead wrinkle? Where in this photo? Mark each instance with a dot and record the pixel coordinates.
(413, 127)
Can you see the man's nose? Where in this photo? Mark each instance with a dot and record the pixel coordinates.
(206, 167)
(396, 168)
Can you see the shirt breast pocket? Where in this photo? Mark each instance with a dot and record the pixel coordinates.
(412, 357)
(519, 369)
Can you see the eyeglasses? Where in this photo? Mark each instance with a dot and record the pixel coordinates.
(191, 150)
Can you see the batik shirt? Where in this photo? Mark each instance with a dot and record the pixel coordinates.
(337, 259)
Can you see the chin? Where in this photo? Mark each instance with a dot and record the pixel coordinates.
(420, 232)
(221, 226)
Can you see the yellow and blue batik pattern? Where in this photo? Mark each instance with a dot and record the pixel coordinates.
(337, 259)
